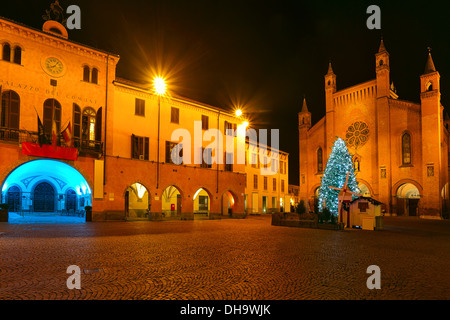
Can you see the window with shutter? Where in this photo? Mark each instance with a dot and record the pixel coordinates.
(86, 74)
(10, 110)
(140, 107)
(52, 110)
(170, 146)
(94, 76)
(205, 122)
(230, 128)
(7, 52)
(140, 147)
(18, 55)
(175, 116)
(206, 158)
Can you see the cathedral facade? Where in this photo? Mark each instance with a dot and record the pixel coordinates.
(399, 148)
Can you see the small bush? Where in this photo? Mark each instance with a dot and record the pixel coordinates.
(326, 215)
(301, 208)
(333, 219)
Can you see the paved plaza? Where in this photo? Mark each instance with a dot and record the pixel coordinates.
(223, 260)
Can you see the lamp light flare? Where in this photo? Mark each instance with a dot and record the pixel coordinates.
(238, 113)
(160, 86)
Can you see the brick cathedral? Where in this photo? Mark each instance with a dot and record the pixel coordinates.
(399, 148)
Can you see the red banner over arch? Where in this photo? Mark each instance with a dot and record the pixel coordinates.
(46, 151)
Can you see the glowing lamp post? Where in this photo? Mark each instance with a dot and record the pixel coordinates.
(160, 89)
(160, 86)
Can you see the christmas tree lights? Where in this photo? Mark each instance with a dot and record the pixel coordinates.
(338, 165)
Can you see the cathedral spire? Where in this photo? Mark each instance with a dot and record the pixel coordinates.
(305, 106)
(382, 47)
(330, 68)
(429, 66)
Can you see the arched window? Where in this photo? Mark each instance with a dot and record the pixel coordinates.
(52, 111)
(18, 55)
(406, 149)
(86, 73)
(89, 117)
(10, 111)
(429, 86)
(320, 160)
(71, 200)
(14, 199)
(94, 78)
(6, 52)
(76, 124)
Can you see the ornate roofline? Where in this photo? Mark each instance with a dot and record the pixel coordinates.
(33, 34)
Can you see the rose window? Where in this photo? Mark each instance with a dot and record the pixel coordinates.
(357, 134)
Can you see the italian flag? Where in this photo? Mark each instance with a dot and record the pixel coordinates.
(67, 135)
(54, 134)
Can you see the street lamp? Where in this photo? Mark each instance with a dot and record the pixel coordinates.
(160, 89)
(160, 86)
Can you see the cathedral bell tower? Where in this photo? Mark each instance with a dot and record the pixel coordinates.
(304, 124)
(304, 117)
(383, 71)
(383, 182)
(434, 167)
(330, 90)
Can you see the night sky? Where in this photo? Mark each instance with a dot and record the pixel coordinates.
(263, 56)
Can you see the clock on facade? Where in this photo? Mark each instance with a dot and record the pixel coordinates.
(53, 66)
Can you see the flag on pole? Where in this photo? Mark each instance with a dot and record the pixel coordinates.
(54, 134)
(67, 134)
(41, 133)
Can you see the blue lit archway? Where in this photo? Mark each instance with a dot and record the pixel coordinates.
(50, 191)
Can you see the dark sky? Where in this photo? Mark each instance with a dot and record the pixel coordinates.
(261, 55)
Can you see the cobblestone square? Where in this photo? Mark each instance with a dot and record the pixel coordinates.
(224, 260)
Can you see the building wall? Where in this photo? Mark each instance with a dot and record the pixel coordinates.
(30, 80)
(32, 83)
(277, 197)
(126, 123)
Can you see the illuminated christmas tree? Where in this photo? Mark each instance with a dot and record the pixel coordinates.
(338, 165)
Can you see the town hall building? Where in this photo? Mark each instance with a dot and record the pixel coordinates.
(75, 138)
(399, 148)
